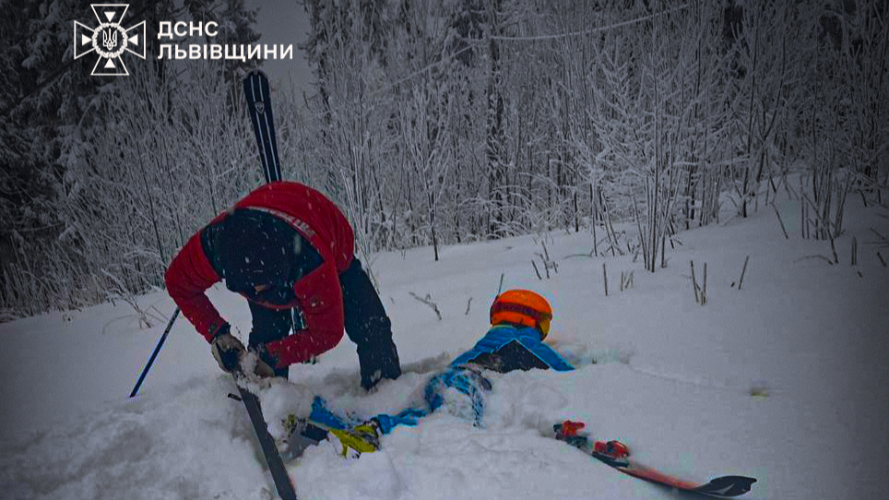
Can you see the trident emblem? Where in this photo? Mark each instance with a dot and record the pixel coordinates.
(109, 39)
(113, 42)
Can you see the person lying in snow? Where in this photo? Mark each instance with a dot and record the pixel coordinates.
(520, 321)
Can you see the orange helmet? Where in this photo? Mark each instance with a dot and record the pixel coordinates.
(522, 307)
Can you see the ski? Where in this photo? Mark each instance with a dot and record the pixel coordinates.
(616, 455)
(259, 104)
(282, 481)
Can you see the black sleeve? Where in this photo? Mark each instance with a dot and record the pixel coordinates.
(210, 245)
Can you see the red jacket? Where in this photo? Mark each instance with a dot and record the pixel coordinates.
(318, 295)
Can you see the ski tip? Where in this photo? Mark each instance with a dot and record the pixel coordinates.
(256, 71)
(726, 486)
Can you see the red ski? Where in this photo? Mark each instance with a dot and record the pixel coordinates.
(615, 454)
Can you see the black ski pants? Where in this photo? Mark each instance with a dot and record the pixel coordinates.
(366, 322)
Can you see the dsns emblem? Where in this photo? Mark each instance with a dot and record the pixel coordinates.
(110, 40)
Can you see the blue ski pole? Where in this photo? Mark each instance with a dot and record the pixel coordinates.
(157, 349)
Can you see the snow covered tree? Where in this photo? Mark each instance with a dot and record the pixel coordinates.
(90, 162)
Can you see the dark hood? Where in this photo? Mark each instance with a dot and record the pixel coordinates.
(256, 248)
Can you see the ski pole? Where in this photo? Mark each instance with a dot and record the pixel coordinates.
(157, 349)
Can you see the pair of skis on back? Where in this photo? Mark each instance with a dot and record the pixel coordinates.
(612, 453)
(259, 105)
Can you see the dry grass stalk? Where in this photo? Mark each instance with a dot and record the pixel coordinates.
(536, 270)
(814, 257)
(626, 280)
(704, 290)
(743, 270)
(854, 251)
(783, 229)
(428, 301)
(605, 278)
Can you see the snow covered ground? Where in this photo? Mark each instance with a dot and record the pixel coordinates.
(783, 380)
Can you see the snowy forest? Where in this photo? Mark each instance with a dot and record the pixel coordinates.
(438, 122)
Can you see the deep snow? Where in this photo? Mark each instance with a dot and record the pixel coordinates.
(783, 380)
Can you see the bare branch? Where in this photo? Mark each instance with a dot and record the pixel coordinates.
(428, 301)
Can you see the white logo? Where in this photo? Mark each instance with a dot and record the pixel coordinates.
(110, 40)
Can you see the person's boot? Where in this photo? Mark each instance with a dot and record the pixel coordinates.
(614, 449)
(364, 438)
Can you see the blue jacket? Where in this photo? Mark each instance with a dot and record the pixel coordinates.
(500, 336)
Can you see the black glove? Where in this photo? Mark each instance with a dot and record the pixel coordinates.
(378, 361)
(227, 350)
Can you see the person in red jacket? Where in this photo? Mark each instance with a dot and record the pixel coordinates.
(289, 251)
